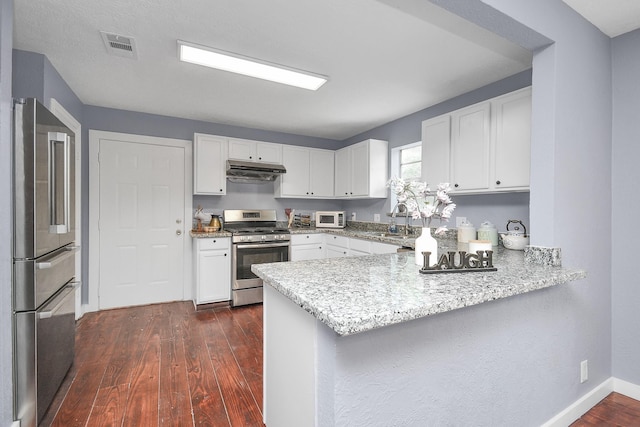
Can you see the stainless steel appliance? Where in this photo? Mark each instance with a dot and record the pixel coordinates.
(255, 240)
(43, 258)
(251, 172)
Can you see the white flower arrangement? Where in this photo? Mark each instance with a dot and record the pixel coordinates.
(421, 203)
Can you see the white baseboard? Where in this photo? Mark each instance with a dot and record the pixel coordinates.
(628, 389)
(582, 405)
(589, 400)
(15, 424)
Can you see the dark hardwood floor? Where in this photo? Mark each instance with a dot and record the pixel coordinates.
(614, 410)
(169, 365)
(164, 365)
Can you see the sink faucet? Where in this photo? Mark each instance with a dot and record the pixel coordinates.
(395, 210)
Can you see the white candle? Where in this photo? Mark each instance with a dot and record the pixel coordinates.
(479, 245)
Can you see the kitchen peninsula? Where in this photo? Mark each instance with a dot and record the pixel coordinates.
(354, 341)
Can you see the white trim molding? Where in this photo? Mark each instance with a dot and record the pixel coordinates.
(591, 399)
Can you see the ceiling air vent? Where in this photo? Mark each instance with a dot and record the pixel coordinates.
(120, 45)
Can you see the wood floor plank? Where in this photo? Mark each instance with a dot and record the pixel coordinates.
(245, 346)
(239, 400)
(78, 402)
(109, 407)
(142, 403)
(206, 398)
(174, 407)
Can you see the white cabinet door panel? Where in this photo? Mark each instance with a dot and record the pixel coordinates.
(513, 140)
(471, 136)
(209, 165)
(436, 137)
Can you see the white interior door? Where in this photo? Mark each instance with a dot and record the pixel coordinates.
(141, 223)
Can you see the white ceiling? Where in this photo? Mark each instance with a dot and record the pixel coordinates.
(612, 17)
(385, 59)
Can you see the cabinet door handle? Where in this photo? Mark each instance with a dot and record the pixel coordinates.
(259, 158)
(498, 182)
(250, 157)
(225, 254)
(456, 185)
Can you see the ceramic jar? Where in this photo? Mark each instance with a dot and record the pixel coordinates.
(466, 232)
(488, 231)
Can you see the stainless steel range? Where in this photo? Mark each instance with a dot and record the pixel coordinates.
(255, 240)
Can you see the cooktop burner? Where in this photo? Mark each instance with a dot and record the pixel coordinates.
(254, 226)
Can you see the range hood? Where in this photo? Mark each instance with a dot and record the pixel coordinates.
(241, 171)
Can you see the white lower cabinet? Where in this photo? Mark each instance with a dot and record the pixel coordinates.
(307, 246)
(383, 248)
(212, 269)
(321, 246)
(336, 246)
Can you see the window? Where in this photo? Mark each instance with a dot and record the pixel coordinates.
(410, 162)
(406, 163)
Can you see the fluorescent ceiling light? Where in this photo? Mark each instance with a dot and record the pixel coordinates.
(234, 63)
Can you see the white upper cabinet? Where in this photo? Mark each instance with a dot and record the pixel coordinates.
(484, 148)
(255, 151)
(309, 173)
(512, 140)
(209, 164)
(436, 137)
(470, 139)
(361, 170)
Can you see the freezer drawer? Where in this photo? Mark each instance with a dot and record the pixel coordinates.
(35, 281)
(44, 343)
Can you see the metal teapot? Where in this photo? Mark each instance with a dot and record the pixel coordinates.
(517, 238)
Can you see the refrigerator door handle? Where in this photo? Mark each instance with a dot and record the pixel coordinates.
(59, 215)
(62, 298)
(58, 258)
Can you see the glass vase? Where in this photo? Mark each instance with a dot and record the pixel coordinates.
(426, 242)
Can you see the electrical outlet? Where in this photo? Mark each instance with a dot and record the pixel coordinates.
(376, 217)
(584, 371)
(460, 220)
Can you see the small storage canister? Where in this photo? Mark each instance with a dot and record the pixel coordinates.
(466, 232)
(488, 231)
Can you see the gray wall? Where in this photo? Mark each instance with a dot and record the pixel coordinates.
(6, 43)
(626, 206)
(497, 208)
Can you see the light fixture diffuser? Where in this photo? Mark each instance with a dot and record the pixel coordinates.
(227, 61)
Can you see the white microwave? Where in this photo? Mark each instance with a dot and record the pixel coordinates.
(330, 219)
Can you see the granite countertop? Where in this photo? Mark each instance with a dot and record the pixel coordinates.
(377, 236)
(203, 235)
(357, 294)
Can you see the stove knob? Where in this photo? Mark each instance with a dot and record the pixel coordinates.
(263, 237)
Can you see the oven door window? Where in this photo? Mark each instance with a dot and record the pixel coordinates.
(248, 255)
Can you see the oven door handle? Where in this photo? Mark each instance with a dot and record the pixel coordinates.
(262, 245)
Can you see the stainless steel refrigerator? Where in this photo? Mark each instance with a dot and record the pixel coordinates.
(43, 258)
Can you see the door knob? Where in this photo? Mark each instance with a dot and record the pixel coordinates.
(179, 232)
